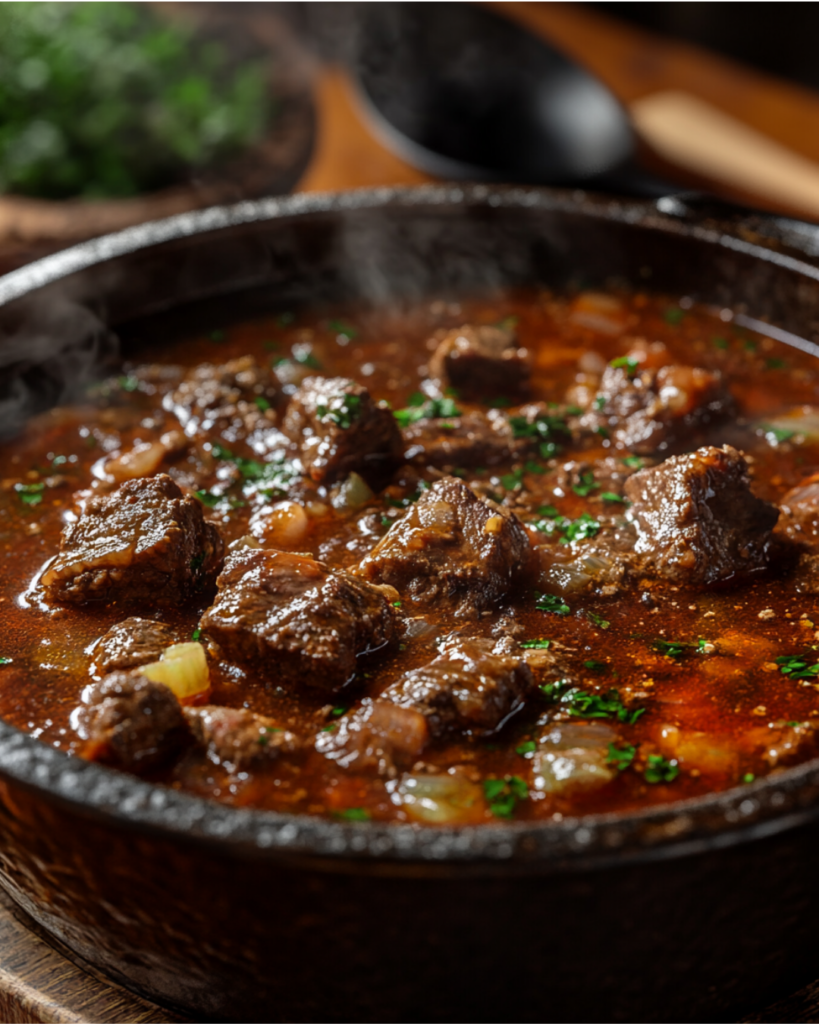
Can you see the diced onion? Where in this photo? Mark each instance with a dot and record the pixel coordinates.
(353, 493)
(142, 460)
(284, 525)
(183, 668)
(441, 799)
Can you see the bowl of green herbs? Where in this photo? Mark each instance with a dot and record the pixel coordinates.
(113, 112)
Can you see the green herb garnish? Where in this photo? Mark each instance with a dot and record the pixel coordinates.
(627, 363)
(353, 814)
(262, 403)
(499, 402)
(779, 434)
(798, 666)
(535, 645)
(612, 497)
(195, 635)
(598, 620)
(345, 330)
(307, 359)
(596, 666)
(674, 315)
(30, 494)
(343, 410)
(128, 383)
(621, 757)
(582, 704)
(503, 794)
(775, 364)
(586, 486)
(5, 661)
(551, 603)
(633, 461)
(719, 342)
(677, 648)
(527, 747)
(550, 431)
(426, 409)
(660, 770)
(748, 777)
(208, 498)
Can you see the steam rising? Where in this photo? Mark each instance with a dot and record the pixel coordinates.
(51, 354)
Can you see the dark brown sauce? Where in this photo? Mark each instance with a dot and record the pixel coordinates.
(726, 700)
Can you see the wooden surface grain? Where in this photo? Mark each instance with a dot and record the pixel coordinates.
(37, 983)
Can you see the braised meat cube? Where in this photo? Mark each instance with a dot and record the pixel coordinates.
(128, 721)
(231, 402)
(379, 736)
(799, 508)
(451, 549)
(697, 519)
(132, 643)
(340, 430)
(473, 684)
(474, 439)
(295, 620)
(646, 409)
(145, 544)
(481, 361)
(238, 738)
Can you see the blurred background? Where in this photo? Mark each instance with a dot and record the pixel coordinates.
(113, 113)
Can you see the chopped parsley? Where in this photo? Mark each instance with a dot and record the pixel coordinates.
(386, 521)
(499, 402)
(343, 329)
(128, 383)
(621, 757)
(419, 408)
(798, 666)
(572, 529)
(262, 403)
(551, 603)
(353, 814)
(674, 315)
(775, 364)
(276, 474)
(30, 494)
(343, 410)
(627, 363)
(596, 666)
(779, 434)
(195, 635)
(208, 498)
(677, 648)
(633, 461)
(599, 402)
(337, 712)
(598, 620)
(5, 661)
(660, 770)
(748, 777)
(509, 481)
(306, 358)
(719, 342)
(582, 704)
(527, 747)
(503, 794)
(550, 431)
(586, 486)
(535, 645)
(611, 496)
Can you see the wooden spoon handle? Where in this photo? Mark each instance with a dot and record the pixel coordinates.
(701, 138)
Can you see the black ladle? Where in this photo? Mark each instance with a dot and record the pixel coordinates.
(462, 92)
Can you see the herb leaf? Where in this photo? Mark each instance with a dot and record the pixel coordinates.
(586, 486)
(343, 410)
(598, 620)
(503, 794)
(621, 757)
(551, 603)
(353, 814)
(660, 770)
(797, 666)
(429, 409)
(582, 704)
(535, 645)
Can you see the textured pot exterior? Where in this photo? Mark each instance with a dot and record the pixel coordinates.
(696, 911)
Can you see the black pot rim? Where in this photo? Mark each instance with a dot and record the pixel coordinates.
(767, 806)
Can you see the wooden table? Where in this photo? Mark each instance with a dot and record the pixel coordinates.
(37, 983)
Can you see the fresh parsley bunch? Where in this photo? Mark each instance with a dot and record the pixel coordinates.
(106, 99)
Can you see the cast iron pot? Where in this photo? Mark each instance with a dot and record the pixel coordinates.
(698, 911)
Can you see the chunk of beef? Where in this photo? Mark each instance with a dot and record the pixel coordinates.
(145, 544)
(452, 549)
(294, 619)
(229, 402)
(479, 361)
(697, 519)
(646, 409)
(378, 736)
(341, 429)
(128, 721)
(238, 738)
(799, 513)
(132, 643)
(473, 684)
(474, 439)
